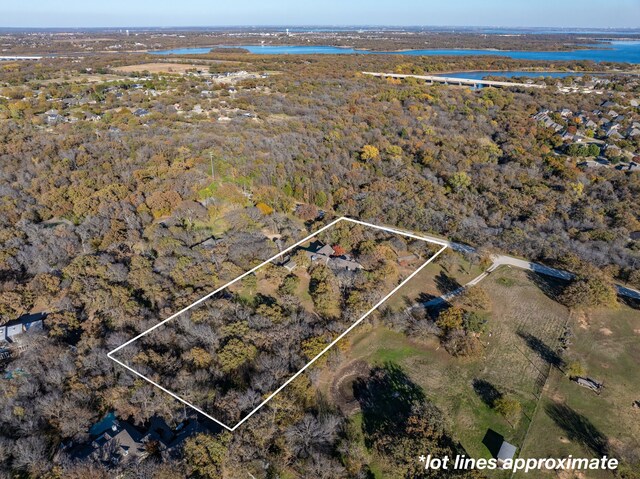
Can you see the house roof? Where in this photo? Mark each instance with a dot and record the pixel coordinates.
(26, 322)
(128, 441)
(326, 250)
(344, 263)
(507, 451)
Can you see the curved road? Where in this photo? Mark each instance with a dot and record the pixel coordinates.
(500, 260)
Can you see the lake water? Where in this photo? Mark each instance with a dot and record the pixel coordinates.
(617, 51)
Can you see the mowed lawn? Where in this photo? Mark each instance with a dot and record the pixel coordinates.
(607, 342)
(519, 309)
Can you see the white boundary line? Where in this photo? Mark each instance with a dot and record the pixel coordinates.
(377, 305)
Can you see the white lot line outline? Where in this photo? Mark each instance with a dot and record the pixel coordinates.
(342, 335)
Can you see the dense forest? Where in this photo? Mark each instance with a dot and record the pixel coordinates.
(101, 218)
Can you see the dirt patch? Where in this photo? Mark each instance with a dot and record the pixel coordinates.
(179, 68)
(582, 320)
(637, 331)
(341, 390)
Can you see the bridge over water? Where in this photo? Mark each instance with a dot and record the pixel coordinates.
(455, 81)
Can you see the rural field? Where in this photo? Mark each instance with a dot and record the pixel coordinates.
(446, 273)
(161, 67)
(574, 420)
(521, 359)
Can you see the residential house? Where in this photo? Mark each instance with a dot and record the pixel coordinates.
(141, 112)
(591, 124)
(593, 164)
(325, 253)
(634, 130)
(344, 262)
(631, 166)
(615, 135)
(541, 115)
(113, 442)
(53, 117)
(566, 136)
(10, 331)
(611, 130)
(116, 442)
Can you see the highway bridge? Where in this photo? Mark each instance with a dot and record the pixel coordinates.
(18, 57)
(455, 81)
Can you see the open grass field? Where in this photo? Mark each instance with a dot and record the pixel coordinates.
(607, 343)
(524, 327)
(160, 67)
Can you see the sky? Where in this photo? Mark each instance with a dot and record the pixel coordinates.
(146, 13)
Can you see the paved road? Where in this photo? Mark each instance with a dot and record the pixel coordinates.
(500, 260)
(454, 80)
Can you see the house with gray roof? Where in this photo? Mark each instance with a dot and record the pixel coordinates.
(325, 253)
(10, 332)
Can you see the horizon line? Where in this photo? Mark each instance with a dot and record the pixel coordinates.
(316, 25)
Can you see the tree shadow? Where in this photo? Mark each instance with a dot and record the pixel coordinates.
(578, 428)
(425, 297)
(260, 298)
(486, 391)
(493, 441)
(631, 302)
(550, 286)
(387, 398)
(538, 346)
(446, 283)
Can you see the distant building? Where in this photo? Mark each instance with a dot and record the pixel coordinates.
(609, 104)
(632, 166)
(52, 117)
(633, 131)
(594, 164)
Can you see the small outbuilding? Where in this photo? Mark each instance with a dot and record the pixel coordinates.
(507, 451)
